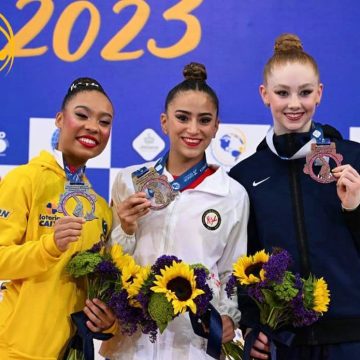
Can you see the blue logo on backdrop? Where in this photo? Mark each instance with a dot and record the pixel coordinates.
(4, 143)
(228, 148)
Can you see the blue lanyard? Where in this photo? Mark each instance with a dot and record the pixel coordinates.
(74, 177)
(318, 134)
(187, 177)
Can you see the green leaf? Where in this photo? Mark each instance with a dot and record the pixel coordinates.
(270, 298)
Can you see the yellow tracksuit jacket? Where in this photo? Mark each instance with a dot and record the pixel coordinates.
(39, 297)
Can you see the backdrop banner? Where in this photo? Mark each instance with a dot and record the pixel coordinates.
(137, 49)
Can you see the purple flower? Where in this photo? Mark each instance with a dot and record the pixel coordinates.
(202, 301)
(128, 316)
(97, 247)
(230, 285)
(255, 292)
(301, 315)
(107, 268)
(162, 261)
(276, 266)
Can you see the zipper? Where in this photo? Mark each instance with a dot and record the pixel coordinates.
(299, 218)
(167, 238)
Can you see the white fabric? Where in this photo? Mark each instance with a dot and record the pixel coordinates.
(179, 230)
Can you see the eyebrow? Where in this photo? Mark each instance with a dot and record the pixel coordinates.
(88, 109)
(288, 87)
(188, 112)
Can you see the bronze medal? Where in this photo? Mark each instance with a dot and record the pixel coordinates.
(320, 155)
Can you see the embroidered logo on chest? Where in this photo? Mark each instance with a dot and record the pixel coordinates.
(211, 219)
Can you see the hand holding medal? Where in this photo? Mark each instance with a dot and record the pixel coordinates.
(67, 230)
(131, 209)
(348, 186)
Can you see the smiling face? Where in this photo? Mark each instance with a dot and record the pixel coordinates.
(85, 125)
(191, 122)
(292, 90)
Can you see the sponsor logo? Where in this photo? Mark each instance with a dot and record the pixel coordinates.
(148, 144)
(47, 220)
(51, 208)
(256, 183)
(7, 53)
(4, 214)
(211, 219)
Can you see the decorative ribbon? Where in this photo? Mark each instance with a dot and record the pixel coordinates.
(83, 338)
(212, 320)
(275, 337)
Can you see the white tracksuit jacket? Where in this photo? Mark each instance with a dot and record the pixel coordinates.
(179, 229)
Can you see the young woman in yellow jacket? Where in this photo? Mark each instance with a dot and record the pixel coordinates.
(48, 212)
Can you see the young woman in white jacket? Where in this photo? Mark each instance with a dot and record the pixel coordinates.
(198, 214)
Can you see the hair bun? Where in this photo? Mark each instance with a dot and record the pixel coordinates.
(195, 71)
(287, 43)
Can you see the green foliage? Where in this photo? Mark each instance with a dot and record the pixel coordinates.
(286, 291)
(83, 263)
(160, 310)
(309, 292)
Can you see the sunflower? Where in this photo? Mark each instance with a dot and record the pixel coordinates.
(178, 283)
(116, 253)
(134, 284)
(129, 273)
(120, 259)
(248, 269)
(321, 296)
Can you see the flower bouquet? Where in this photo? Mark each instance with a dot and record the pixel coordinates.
(172, 288)
(126, 299)
(149, 298)
(283, 298)
(100, 270)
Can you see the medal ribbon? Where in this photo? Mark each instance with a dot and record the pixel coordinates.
(187, 177)
(317, 136)
(74, 176)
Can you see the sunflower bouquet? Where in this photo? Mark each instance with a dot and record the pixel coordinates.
(283, 298)
(171, 288)
(101, 271)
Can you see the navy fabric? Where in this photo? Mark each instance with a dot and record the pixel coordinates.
(292, 211)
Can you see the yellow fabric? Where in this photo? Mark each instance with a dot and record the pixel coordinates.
(37, 303)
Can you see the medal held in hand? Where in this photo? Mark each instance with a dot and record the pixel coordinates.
(318, 162)
(72, 202)
(77, 199)
(156, 186)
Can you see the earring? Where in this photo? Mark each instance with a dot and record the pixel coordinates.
(267, 104)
